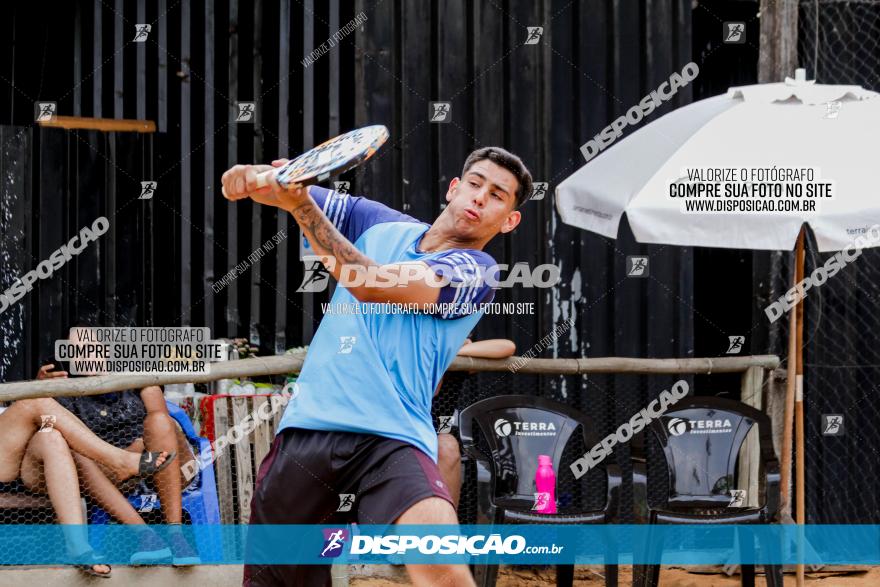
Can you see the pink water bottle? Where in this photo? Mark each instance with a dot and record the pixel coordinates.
(545, 484)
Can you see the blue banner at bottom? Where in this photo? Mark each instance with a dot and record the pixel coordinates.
(475, 544)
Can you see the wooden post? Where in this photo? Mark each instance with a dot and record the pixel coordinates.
(263, 433)
(777, 56)
(750, 454)
(244, 478)
(222, 466)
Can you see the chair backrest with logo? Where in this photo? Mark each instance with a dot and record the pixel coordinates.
(518, 428)
(701, 439)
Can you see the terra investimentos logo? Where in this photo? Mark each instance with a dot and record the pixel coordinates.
(504, 427)
(679, 426)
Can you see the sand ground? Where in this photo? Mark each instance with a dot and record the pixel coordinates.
(669, 577)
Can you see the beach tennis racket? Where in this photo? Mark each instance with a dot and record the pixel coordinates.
(328, 159)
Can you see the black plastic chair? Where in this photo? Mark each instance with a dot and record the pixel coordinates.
(505, 476)
(701, 438)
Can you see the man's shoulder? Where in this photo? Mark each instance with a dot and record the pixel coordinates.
(354, 215)
(476, 257)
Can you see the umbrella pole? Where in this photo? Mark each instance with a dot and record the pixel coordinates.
(788, 419)
(799, 405)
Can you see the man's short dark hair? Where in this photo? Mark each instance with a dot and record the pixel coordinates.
(508, 161)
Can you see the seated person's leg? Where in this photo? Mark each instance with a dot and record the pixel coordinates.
(161, 434)
(28, 415)
(15, 433)
(48, 467)
(98, 485)
(449, 463)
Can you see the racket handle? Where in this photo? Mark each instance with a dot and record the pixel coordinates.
(263, 178)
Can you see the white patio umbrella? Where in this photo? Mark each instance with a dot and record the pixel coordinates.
(795, 124)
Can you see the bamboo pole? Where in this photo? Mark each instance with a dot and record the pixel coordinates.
(77, 386)
(292, 363)
(788, 420)
(617, 365)
(799, 408)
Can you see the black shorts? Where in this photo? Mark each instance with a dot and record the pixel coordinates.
(306, 473)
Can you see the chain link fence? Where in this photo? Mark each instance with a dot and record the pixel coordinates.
(842, 380)
(839, 43)
(608, 399)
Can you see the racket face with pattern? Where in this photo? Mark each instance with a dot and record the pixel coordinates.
(332, 157)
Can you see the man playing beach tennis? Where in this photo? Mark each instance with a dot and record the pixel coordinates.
(359, 422)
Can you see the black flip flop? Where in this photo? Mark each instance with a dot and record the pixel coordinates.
(148, 467)
(87, 560)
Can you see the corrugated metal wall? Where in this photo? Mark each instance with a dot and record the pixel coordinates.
(542, 101)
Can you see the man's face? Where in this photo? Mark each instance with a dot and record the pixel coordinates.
(483, 202)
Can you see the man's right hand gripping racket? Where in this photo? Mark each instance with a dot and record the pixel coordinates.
(329, 159)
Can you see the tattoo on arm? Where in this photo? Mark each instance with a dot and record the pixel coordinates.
(325, 238)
